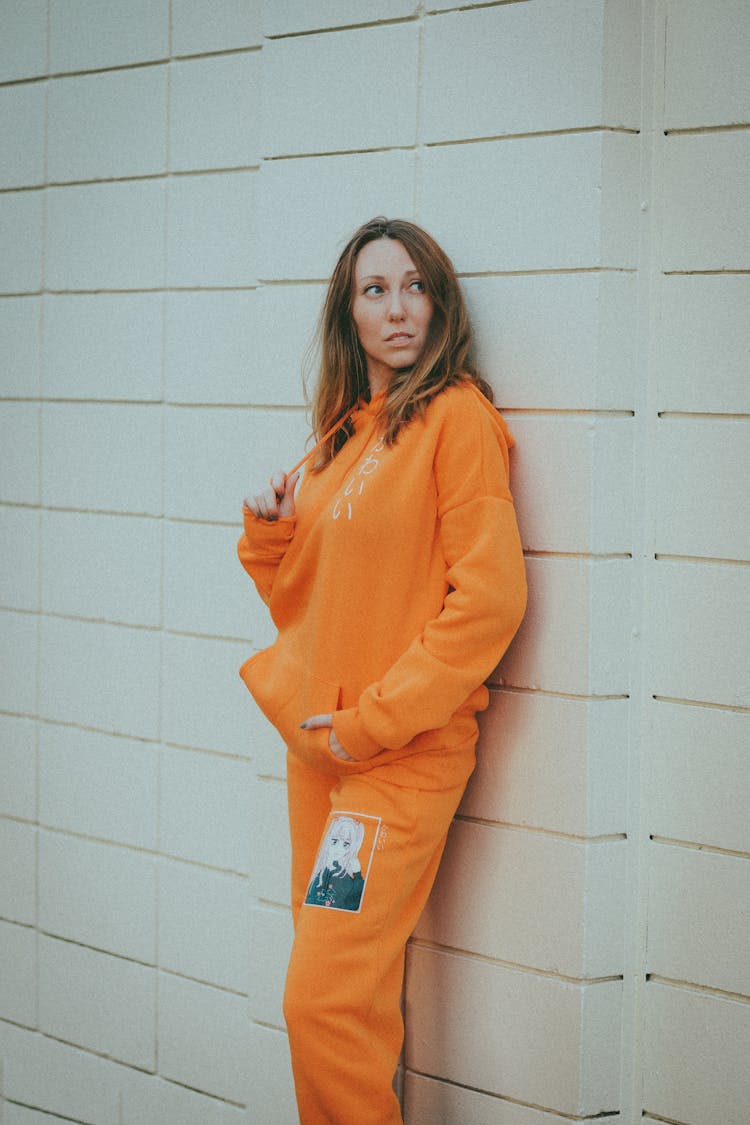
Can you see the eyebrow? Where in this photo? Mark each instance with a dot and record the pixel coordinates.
(381, 277)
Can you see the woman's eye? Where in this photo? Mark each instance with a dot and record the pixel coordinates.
(375, 290)
(417, 285)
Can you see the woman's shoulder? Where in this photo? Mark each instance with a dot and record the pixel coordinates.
(463, 404)
(469, 429)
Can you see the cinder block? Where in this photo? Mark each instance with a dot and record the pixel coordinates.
(19, 650)
(449, 5)
(271, 935)
(18, 976)
(22, 135)
(270, 856)
(707, 80)
(21, 218)
(696, 632)
(214, 112)
(148, 1100)
(556, 341)
(19, 558)
(695, 1053)
(89, 35)
(201, 692)
(287, 17)
(576, 634)
(330, 106)
(703, 344)
(492, 208)
(104, 676)
(212, 230)
(58, 1077)
(99, 895)
(20, 335)
(589, 461)
(289, 316)
(19, 452)
(98, 785)
(431, 1101)
(698, 909)
(103, 126)
(581, 885)
(698, 786)
(212, 341)
(262, 742)
(564, 1052)
(106, 236)
(18, 767)
(103, 346)
(100, 563)
(203, 1038)
(701, 467)
(561, 46)
(20, 1115)
(226, 26)
(17, 872)
(703, 174)
(207, 590)
(553, 763)
(102, 1003)
(203, 925)
(205, 810)
(23, 46)
(320, 202)
(272, 1098)
(104, 457)
(238, 453)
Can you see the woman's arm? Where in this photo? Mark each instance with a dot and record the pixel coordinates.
(457, 650)
(269, 519)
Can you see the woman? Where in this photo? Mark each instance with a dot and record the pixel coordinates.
(396, 581)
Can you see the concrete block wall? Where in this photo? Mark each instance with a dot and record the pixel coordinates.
(694, 1006)
(176, 181)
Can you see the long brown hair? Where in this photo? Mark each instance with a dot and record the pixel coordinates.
(342, 365)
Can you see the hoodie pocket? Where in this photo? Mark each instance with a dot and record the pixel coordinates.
(287, 693)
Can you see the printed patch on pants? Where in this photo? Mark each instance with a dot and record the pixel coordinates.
(343, 863)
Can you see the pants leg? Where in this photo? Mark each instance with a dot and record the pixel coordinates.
(342, 999)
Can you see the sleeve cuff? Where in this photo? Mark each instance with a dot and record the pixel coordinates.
(268, 531)
(353, 737)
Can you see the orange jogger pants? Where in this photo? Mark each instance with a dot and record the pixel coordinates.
(365, 852)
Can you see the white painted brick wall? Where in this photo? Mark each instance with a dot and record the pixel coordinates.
(176, 182)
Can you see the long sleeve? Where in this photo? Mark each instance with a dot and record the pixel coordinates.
(262, 547)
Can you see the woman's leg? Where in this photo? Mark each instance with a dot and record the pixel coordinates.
(309, 800)
(342, 1000)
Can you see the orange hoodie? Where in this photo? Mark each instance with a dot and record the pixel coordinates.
(395, 588)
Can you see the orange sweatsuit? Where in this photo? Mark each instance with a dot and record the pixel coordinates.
(395, 588)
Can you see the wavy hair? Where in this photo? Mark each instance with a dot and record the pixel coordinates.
(341, 361)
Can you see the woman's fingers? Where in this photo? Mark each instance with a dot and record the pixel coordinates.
(276, 499)
(286, 502)
(315, 722)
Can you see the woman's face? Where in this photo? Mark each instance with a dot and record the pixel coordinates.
(391, 311)
(338, 849)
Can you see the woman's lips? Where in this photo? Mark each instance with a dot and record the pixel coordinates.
(399, 338)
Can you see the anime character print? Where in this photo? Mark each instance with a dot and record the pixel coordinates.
(340, 874)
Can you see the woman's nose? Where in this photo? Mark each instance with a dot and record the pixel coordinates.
(395, 306)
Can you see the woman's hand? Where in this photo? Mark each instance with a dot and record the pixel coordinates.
(276, 500)
(319, 721)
